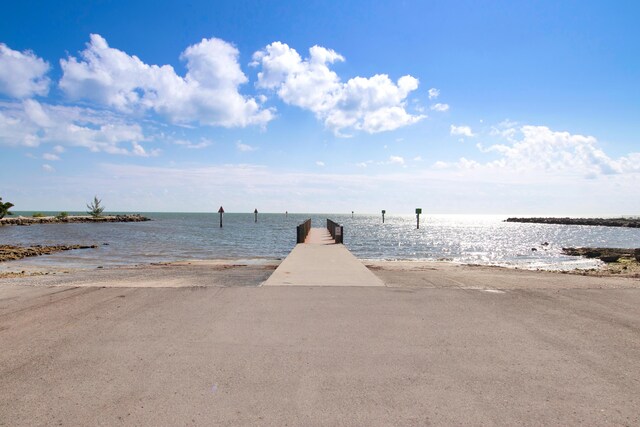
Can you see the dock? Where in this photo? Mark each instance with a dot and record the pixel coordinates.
(319, 261)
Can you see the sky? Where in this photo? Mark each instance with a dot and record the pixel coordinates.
(459, 107)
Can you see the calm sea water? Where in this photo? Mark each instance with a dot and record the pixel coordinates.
(186, 236)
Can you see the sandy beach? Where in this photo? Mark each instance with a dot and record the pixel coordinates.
(203, 343)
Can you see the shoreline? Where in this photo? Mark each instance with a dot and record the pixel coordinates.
(628, 270)
(14, 253)
(26, 220)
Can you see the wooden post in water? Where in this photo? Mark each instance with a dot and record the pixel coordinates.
(383, 212)
(255, 214)
(418, 212)
(221, 211)
(351, 214)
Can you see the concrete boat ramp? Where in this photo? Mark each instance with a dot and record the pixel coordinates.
(319, 261)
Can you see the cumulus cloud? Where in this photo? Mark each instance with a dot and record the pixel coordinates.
(434, 93)
(373, 104)
(461, 131)
(22, 74)
(319, 163)
(48, 168)
(208, 93)
(30, 123)
(440, 107)
(541, 149)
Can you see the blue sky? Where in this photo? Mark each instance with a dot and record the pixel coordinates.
(468, 107)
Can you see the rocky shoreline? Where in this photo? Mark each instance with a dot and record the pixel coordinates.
(25, 220)
(607, 255)
(620, 262)
(11, 253)
(604, 222)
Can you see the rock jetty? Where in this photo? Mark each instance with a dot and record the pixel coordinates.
(607, 255)
(25, 220)
(10, 253)
(605, 222)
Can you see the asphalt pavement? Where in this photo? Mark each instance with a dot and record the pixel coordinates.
(212, 355)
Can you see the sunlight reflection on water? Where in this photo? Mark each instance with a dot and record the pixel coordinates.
(477, 239)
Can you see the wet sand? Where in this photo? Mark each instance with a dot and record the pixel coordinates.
(204, 343)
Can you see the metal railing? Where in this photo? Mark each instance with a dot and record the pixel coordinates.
(336, 231)
(303, 230)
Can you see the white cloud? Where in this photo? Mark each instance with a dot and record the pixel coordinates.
(48, 168)
(461, 130)
(374, 104)
(207, 94)
(22, 74)
(506, 129)
(440, 107)
(434, 93)
(245, 148)
(396, 160)
(30, 123)
(417, 159)
(319, 163)
(50, 157)
(138, 150)
(539, 150)
(441, 165)
(193, 145)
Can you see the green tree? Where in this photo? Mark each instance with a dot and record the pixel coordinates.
(95, 210)
(4, 208)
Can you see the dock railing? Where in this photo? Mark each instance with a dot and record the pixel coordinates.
(303, 230)
(335, 230)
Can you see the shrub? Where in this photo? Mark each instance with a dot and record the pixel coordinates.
(62, 215)
(4, 208)
(95, 210)
(38, 215)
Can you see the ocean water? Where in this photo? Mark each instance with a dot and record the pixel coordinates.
(468, 239)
